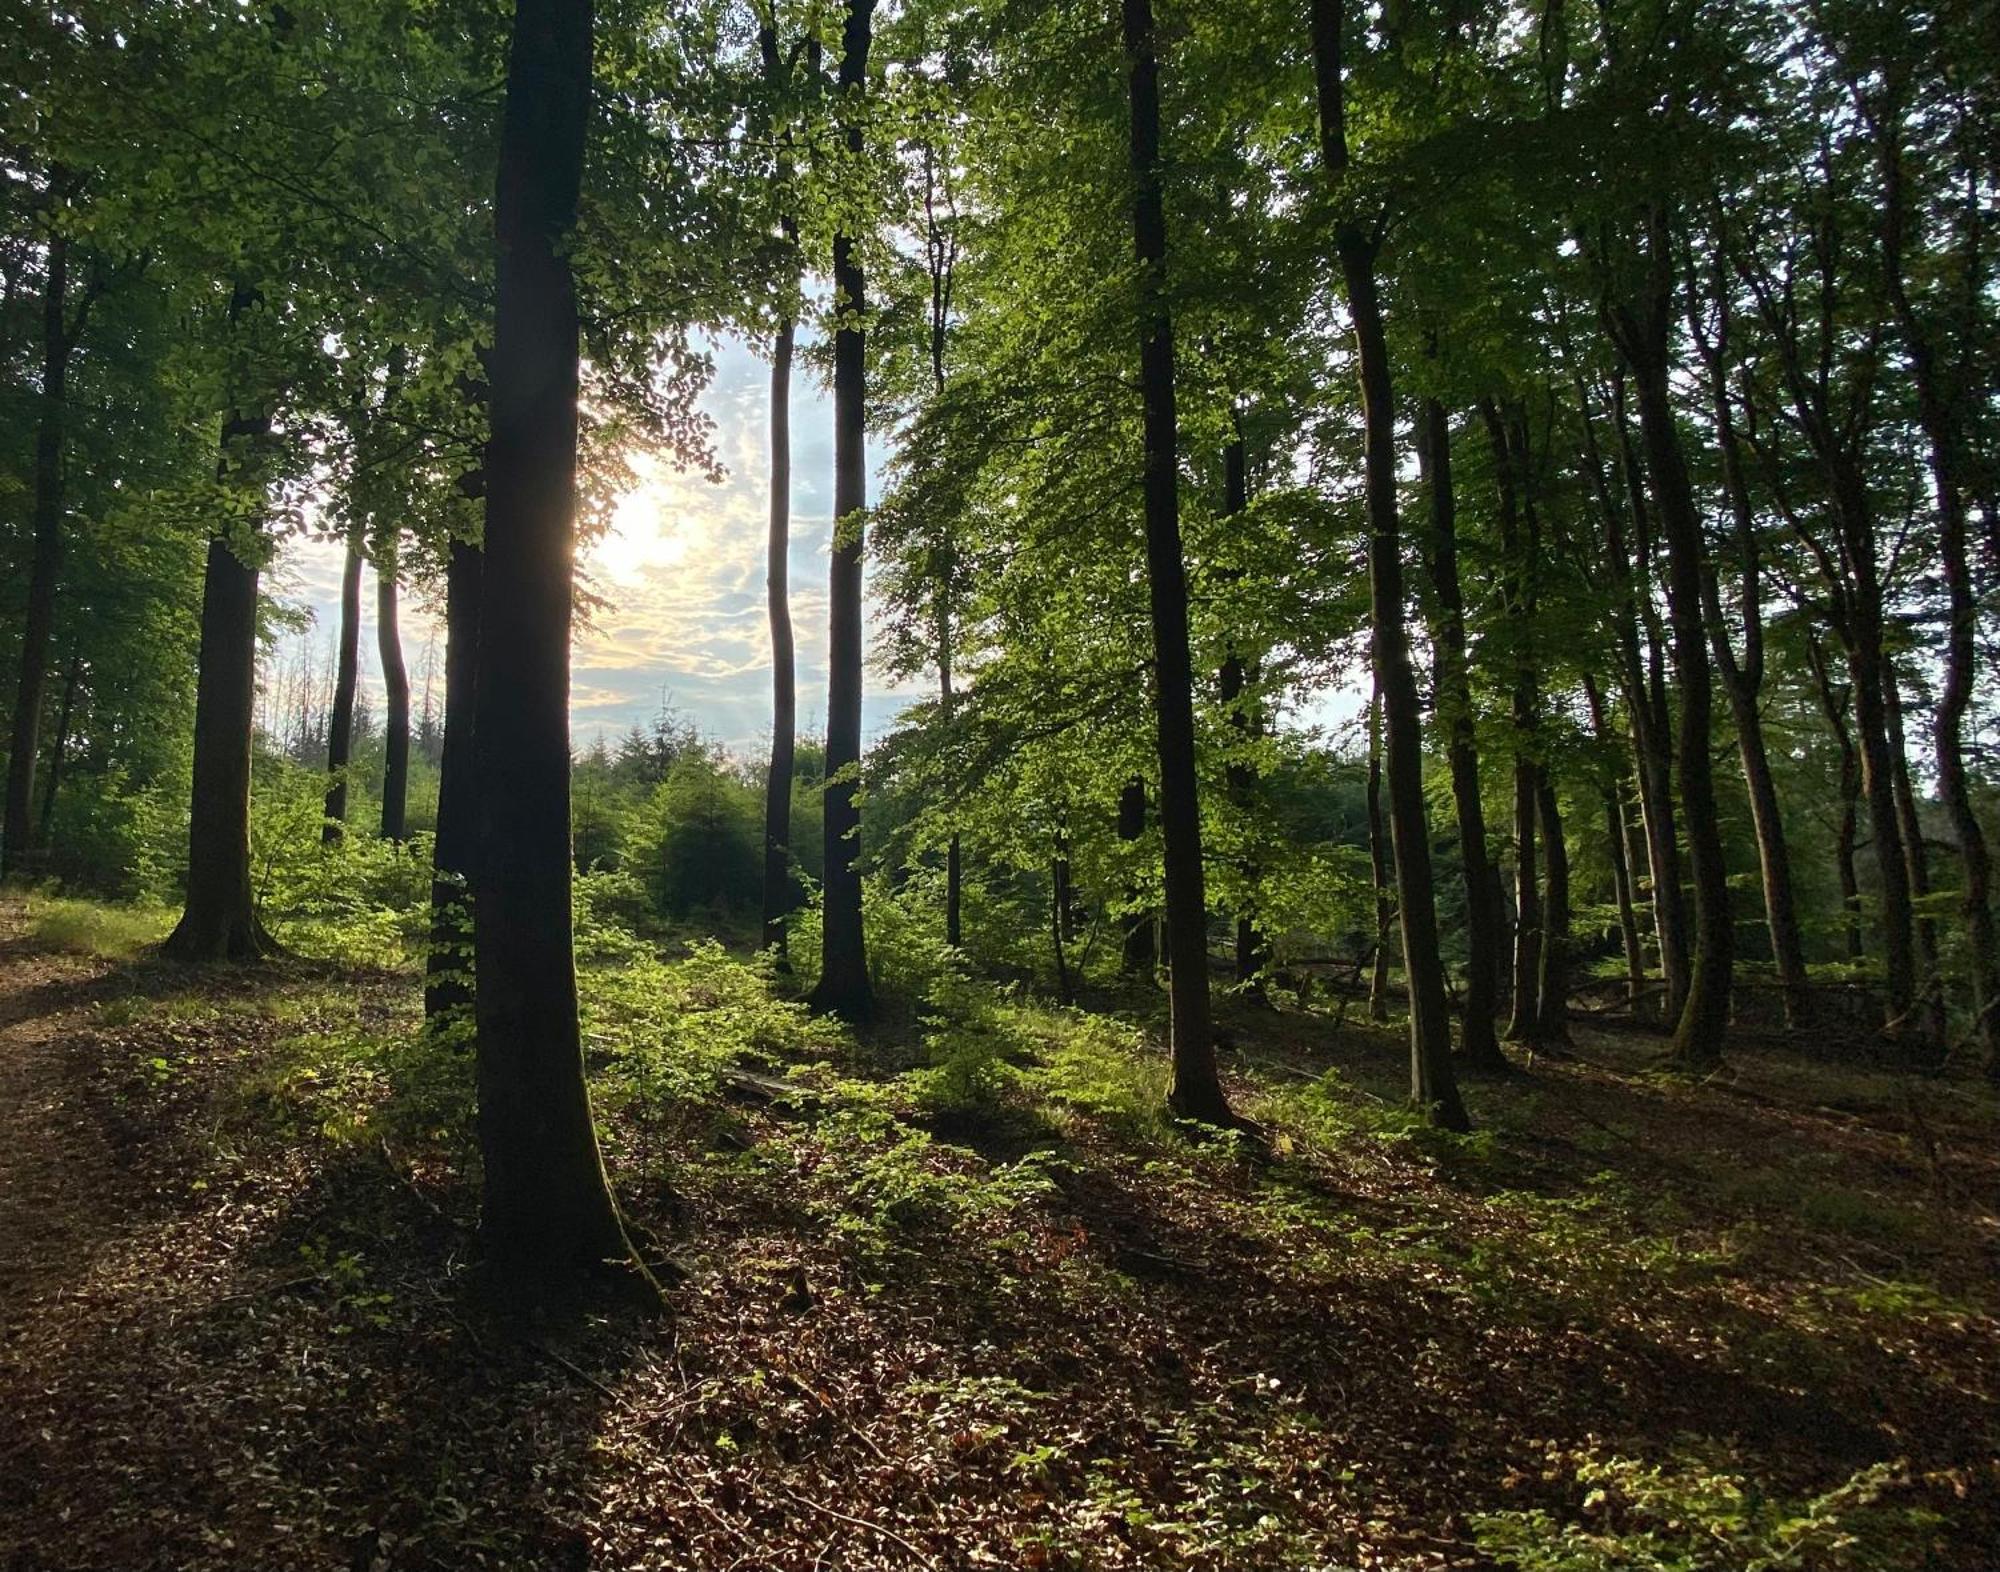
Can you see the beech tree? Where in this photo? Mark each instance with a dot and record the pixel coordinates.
(548, 1218)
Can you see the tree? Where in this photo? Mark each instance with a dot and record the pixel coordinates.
(219, 921)
(1196, 1090)
(1358, 244)
(1478, 1045)
(548, 1219)
(843, 988)
(780, 889)
(396, 683)
(347, 676)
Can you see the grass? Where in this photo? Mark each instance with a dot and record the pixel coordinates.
(81, 927)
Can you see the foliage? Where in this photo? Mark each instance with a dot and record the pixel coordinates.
(1687, 1516)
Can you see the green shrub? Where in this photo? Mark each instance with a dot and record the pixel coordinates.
(1692, 1516)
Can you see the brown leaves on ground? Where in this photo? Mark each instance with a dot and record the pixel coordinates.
(228, 1345)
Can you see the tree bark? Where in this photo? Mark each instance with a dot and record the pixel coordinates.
(45, 567)
(1139, 950)
(1937, 412)
(219, 922)
(549, 1223)
(1743, 681)
(1252, 953)
(347, 675)
(1479, 1045)
(780, 893)
(1433, 1084)
(843, 988)
(1835, 704)
(1618, 838)
(59, 744)
(1642, 332)
(1510, 466)
(448, 973)
(1929, 1005)
(1552, 986)
(1378, 865)
(396, 683)
(1196, 1089)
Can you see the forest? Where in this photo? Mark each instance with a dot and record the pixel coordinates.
(1400, 973)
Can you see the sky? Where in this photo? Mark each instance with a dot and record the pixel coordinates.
(683, 570)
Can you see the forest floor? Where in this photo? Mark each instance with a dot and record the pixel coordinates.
(1635, 1322)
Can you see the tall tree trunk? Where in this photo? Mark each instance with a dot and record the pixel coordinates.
(220, 919)
(778, 884)
(1929, 1006)
(347, 675)
(1247, 724)
(396, 682)
(1618, 839)
(549, 1222)
(46, 563)
(1867, 682)
(1196, 1091)
(448, 972)
(1510, 462)
(1433, 1084)
(1059, 924)
(1378, 865)
(843, 988)
(780, 889)
(1552, 1004)
(59, 744)
(1835, 703)
(1743, 681)
(1479, 1045)
(1139, 949)
(1938, 413)
(1643, 338)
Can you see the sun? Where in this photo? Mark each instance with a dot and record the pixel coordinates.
(648, 529)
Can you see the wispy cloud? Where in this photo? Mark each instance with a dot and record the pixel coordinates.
(681, 573)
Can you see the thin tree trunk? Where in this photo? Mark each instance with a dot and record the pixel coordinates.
(1937, 412)
(59, 744)
(1139, 950)
(1916, 856)
(45, 565)
(1196, 1090)
(1618, 840)
(843, 988)
(1652, 736)
(347, 674)
(1059, 926)
(1479, 1044)
(1743, 681)
(1552, 1006)
(780, 894)
(549, 1223)
(1378, 864)
(1509, 468)
(778, 884)
(1251, 951)
(396, 682)
(1433, 1083)
(1698, 1038)
(1835, 704)
(448, 972)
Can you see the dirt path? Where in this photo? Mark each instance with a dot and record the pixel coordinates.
(55, 1159)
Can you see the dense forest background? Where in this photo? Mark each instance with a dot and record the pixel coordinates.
(1607, 390)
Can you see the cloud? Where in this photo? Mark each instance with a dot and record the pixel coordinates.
(682, 576)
